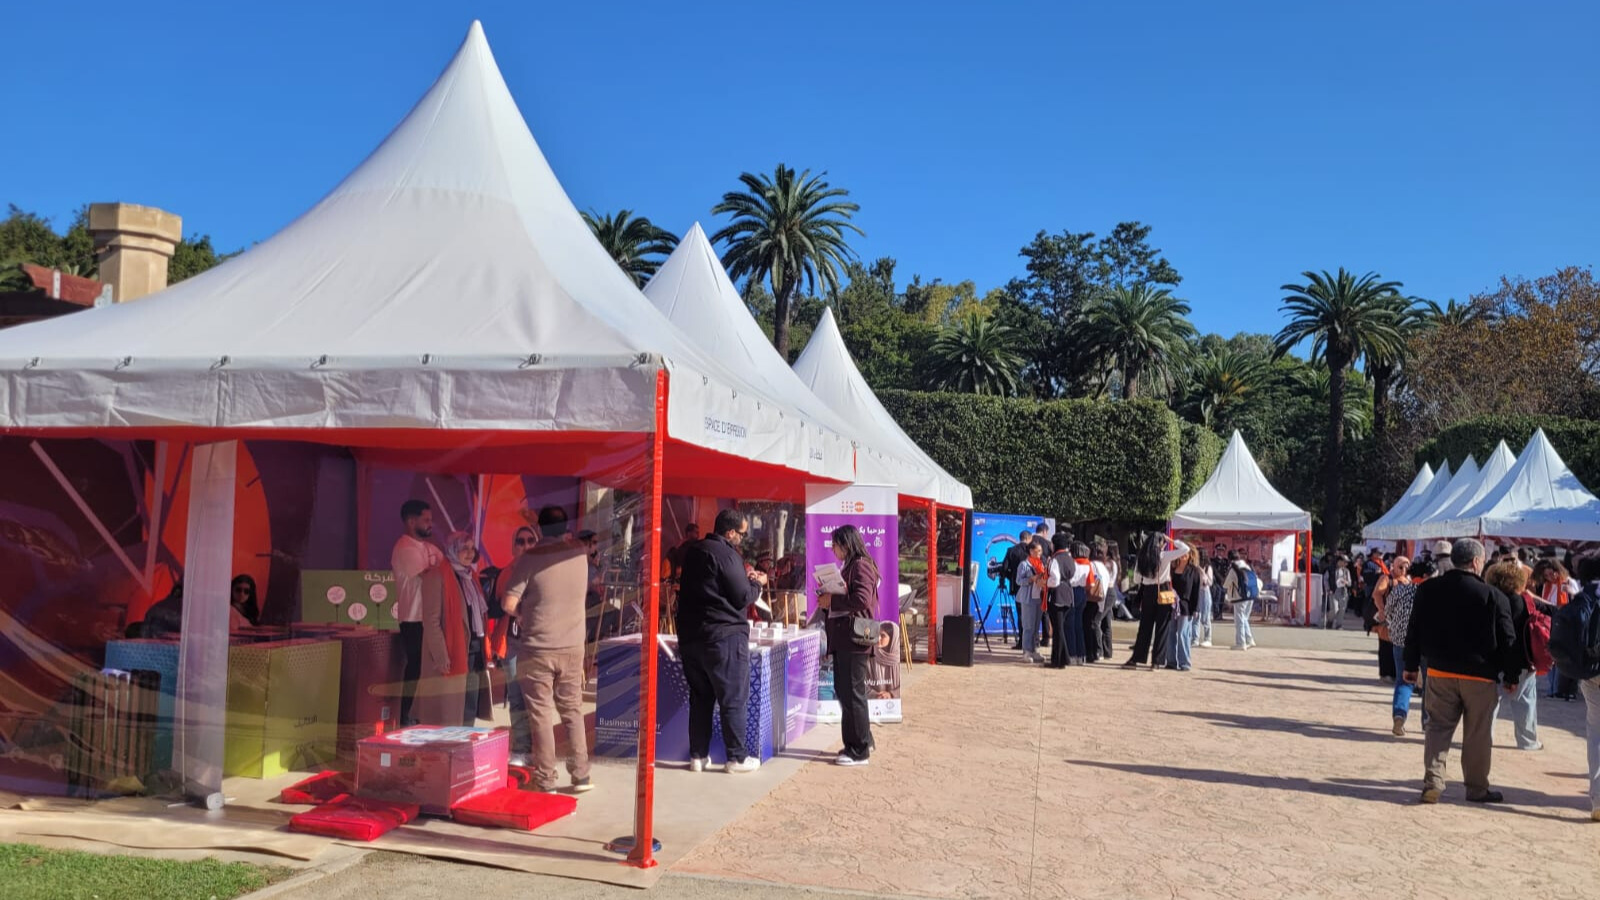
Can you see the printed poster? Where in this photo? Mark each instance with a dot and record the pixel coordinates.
(875, 511)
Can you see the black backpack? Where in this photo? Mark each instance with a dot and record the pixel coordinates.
(1575, 637)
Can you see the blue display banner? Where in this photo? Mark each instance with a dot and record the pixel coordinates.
(993, 534)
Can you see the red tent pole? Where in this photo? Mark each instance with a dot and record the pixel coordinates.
(933, 583)
(644, 798)
(1308, 577)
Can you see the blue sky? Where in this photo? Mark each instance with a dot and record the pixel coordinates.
(1442, 144)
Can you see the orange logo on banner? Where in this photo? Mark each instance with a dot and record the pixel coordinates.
(852, 506)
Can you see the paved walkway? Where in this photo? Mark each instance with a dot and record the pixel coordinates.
(1264, 774)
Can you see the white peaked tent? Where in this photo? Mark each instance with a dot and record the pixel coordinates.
(1419, 487)
(692, 289)
(445, 290)
(1237, 497)
(825, 367)
(1442, 524)
(1438, 501)
(1539, 499)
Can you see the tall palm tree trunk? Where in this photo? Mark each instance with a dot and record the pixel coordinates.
(1382, 377)
(780, 317)
(1333, 466)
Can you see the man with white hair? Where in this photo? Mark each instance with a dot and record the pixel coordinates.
(1462, 628)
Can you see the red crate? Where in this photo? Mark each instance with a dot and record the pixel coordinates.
(433, 767)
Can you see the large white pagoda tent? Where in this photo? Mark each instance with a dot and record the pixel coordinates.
(1415, 491)
(1441, 523)
(1538, 500)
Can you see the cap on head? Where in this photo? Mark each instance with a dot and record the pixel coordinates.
(1442, 548)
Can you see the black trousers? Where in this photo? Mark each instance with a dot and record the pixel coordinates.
(1091, 630)
(1103, 629)
(1058, 649)
(411, 644)
(477, 678)
(717, 667)
(1155, 622)
(850, 686)
(1047, 623)
(1385, 660)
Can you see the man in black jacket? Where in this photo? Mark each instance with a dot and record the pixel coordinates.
(1464, 630)
(714, 597)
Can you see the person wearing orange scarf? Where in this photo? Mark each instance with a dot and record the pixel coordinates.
(442, 691)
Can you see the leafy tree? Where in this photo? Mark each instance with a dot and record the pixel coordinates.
(788, 229)
(1065, 272)
(193, 255)
(633, 241)
(975, 356)
(1453, 313)
(1386, 365)
(1136, 332)
(1345, 317)
(28, 237)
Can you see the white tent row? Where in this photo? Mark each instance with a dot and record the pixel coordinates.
(1534, 496)
(1417, 490)
(1446, 487)
(693, 290)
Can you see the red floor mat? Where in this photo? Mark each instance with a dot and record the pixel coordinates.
(355, 818)
(512, 808)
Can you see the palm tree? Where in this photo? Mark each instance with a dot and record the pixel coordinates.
(1223, 379)
(1344, 317)
(975, 355)
(1314, 383)
(1138, 331)
(1453, 313)
(632, 241)
(790, 230)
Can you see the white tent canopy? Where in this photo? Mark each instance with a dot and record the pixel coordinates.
(1389, 528)
(1419, 487)
(1442, 524)
(1237, 497)
(1539, 499)
(887, 455)
(447, 284)
(1437, 502)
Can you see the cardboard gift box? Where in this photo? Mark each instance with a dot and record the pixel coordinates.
(283, 707)
(371, 664)
(433, 767)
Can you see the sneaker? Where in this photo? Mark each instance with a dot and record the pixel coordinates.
(845, 759)
(1205, 643)
(697, 764)
(518, 759)
(582, 785)
(1533, 747)
(1488, 797)
(1430, 795)
(1399, 726)
(1131, 664)
(1241, 647)
(743, 767)
(1249, 645)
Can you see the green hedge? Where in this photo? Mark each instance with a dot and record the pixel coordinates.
(1199, 452)
(1577, 440)
(1072, 459)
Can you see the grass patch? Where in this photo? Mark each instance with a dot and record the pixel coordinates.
(34, 873)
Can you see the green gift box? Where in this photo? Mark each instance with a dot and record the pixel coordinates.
(283, 707)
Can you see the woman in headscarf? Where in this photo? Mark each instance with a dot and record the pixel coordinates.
(453, 617)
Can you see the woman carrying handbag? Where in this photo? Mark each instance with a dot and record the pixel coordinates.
(1156, 596)
(852, 637)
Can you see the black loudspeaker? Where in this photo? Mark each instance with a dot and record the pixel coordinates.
(957, 643)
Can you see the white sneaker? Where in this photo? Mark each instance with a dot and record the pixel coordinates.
(750, 764)
(518, 759)
(699, 765)
(845, 759)
(1205, 643)
(1249, 645)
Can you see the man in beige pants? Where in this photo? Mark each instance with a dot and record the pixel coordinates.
(546, 590)
(1462, 628)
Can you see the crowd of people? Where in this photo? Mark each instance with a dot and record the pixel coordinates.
(1066, 593)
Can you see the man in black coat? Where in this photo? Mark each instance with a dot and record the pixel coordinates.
(714, 598)
(1463, 628)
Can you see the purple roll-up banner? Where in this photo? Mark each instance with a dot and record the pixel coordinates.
(875, 511)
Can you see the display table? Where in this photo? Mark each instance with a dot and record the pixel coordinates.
(782, 701)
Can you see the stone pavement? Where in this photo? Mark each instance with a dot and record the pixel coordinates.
(1269, 773)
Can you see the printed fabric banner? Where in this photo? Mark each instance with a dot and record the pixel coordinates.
(875, 511)
(993, 536)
